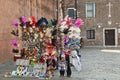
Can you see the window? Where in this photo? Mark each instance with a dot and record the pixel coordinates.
(90, 10)
(91, 34)
(71, 13)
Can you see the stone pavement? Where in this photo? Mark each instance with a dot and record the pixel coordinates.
(97, 64)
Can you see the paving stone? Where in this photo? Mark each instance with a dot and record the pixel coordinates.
(96, 65)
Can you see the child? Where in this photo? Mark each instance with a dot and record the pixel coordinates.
(75, 60)
(62, 65)
(67, 54)
(50, 65)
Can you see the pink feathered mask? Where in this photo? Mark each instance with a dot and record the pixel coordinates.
(79, 22)
(15, 43)
(24, 19)
(69, 21)
(66, 39)
(15, 23)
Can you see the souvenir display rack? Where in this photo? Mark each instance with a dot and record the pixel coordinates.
(41, 43)
(37, 45)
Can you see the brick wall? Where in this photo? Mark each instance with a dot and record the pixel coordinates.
(11, 10)
(102, 12)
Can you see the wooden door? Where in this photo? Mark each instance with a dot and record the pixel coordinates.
(110, 37)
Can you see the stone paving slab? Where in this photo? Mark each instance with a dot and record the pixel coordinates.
(97, 64)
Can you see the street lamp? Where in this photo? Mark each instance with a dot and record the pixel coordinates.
(99, 25)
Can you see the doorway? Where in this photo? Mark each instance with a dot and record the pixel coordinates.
(109, 37)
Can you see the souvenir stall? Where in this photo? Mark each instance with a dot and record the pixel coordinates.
(35, 49)
(42, 47)
(75, 44)
(70, 45)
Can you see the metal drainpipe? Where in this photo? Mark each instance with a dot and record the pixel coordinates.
(30, 7)
(76, 9)
(57, 9)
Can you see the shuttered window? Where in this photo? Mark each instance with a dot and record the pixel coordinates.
(71, 12)
(90, 34)
(90, 10)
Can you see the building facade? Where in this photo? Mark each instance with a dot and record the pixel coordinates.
(11, 10)
(101, 20)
